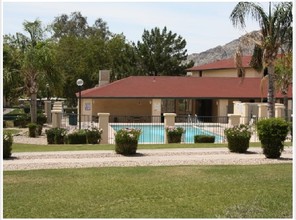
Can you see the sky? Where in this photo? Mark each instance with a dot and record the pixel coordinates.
(204, 25)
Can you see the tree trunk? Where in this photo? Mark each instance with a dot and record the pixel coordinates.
(286, 106)
(33, 107)
(270, 95)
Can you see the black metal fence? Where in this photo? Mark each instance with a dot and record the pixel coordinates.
(153, 130)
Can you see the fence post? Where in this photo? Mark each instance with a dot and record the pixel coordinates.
(47, 109)
(169, 120)
(104, 124)
(57, 112)
(262, 110)
(279, 110)
(233, 119)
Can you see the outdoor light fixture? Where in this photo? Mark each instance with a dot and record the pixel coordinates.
(79, 83)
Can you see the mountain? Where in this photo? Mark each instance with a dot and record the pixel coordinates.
(227, 51)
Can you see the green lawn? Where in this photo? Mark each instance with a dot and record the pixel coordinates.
(16, 147)
(262, 191)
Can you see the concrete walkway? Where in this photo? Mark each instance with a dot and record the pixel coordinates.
(162, 157)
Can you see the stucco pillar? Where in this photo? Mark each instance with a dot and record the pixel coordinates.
(104, 124)
(279, 110)
(245, 113)
(47, 110)
(169, 120)
(233, 119)
(57, 113)
(56, 118)
(262, 110)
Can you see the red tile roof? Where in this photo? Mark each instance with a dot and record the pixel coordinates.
(178, 87)
(221, 64)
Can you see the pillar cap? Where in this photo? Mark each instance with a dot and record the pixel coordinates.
(169, 114)
(103, 114)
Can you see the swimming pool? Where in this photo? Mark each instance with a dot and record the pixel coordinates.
(155, 133)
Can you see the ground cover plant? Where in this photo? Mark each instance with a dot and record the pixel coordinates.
(254, 191)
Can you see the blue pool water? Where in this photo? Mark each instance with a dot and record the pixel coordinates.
(155, 133)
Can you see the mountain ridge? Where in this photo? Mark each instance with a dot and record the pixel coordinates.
(227, 51)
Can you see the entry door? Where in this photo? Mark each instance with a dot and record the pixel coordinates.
(205, 107)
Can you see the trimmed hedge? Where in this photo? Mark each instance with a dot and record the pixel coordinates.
(204, 139)
(272, 133)
(7, 143)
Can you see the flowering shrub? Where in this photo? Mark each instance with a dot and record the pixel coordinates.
(92, 135)
(126, 141)
(7, 143)
(174, 134)
(238, 138)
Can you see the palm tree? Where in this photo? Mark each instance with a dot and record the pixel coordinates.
(275, 30)
(37, 64)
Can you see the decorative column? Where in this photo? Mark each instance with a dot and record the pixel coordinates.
(262, 110)
(57, 112)
(279, 110)
(104, 124)
(169, 120)
(47, 110)
(233, 119)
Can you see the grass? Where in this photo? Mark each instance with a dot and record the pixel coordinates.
(17, 147)
(255, 191)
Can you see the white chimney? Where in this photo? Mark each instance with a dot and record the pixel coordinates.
(104, 77)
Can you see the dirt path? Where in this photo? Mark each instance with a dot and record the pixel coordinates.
(163, 157)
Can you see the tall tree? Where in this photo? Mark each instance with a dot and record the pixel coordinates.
(275, 27)
(37, 64)
(163, 53)
(12, 80)
(283, 77)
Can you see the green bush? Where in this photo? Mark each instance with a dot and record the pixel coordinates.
(41, 119)
(32, 129)
(238, 138)
(126, 141)
(204, 139)
(174, 134)
(22, 120)
(93, 135)
(272, 133)
(77, 137)
(56, 135)
(7, 143)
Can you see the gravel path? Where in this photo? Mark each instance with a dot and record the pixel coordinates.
(162, 157)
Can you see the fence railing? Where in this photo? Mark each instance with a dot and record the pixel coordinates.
(153, 128)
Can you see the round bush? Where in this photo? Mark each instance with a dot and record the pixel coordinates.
(238, 138)
(7, 143)
(174, 138)
(272, 133)
(126, 148)
(32, 129)
(238, 144)
(126, 141)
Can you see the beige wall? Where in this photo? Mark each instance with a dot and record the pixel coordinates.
(250, 72)
(135, 107)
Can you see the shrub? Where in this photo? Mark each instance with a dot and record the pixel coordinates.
(93, 135)
(7, 143)
(204, 139)
(272, 133)
(22, 120)
(77, 137)
(174, 134)
(56, 135)
(41, 119)
(238, 138)
(126, 141)
(32, 129)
